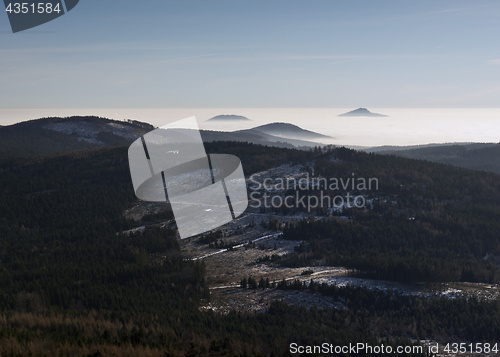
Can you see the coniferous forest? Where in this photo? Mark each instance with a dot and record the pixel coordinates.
(74, 284)
(426, 222)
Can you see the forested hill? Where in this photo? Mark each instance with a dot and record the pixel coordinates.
(477, 156)
(288, 130)
(427, 222)
(55, 135)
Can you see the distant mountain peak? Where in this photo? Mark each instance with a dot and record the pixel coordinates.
(229, 117)
(361, 112)
(288, 130)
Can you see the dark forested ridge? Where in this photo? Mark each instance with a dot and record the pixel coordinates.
(477, 156)
(426, 222)
(48, 136)
(73, 284)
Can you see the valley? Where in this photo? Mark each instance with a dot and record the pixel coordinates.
(246, 248)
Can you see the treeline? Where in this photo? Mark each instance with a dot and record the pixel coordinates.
(391, 248)
(210, 237)
(256, 158)
(252, 283)
(391, 313)
(473, 156)
(416, 183)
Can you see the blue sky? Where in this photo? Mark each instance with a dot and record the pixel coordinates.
(236, 53)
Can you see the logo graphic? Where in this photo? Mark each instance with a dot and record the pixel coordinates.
(170, 164)
(27, 14)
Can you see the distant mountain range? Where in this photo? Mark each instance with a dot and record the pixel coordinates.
(361, 112)
(274, 134)
(230, 117)
(256, 137)
(391, 149)
(55, 135)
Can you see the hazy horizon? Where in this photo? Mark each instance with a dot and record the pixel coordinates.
(403, 127)
(280, 61)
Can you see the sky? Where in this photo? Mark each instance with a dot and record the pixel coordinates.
(256, 54)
